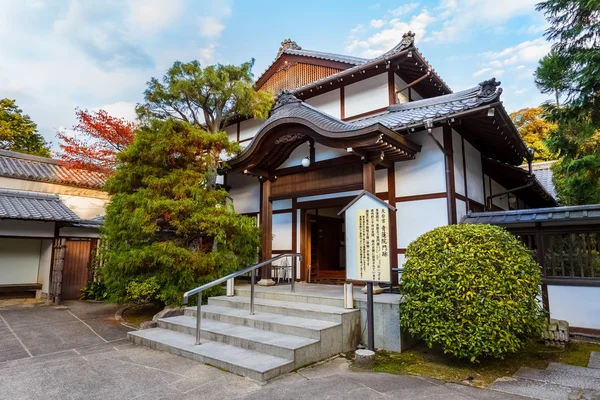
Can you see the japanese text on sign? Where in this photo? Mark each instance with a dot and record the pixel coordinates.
(372, 244)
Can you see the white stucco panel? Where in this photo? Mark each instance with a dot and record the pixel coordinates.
(366, 95)
(461, 210)
(500, 201)
(381, 183)
(85, 207)
(231, 131)
(20, 260)
(577, 305)
(44, 266)
(249, 128)
(414, 218)
(426, 173)
(459, 174)
(327, 153)
(474, 173)
(245, 192)
(282, 231)
(36, 229)
(327, 102)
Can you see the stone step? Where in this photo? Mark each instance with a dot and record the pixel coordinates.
(317, 298)
(252, 364)
(289, 308)
(594, 360)
(574, 370)
(558, 378)
(533, 389)
(308, 328)
(298, 349)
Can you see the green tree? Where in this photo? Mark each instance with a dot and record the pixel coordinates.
(534, 130)
(575, 31)
(167, 230)
(552, 75)
(18, 132)
(211, 97)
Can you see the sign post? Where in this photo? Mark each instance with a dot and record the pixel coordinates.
(368, 252)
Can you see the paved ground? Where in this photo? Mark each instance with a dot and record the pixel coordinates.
(81, 353)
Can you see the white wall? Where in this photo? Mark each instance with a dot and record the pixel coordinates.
(417, 217)
(282, 231)
(427, 173)
(26, 228)
(501, 201)
(20, 260)
(327, 102)
(580, 306)
(381, 183)
(459, 175)
(474, 173)
(245, 192)
(85, 207)
(403, 97)
(44, 265)
(249, 128)
(366, 95)
(232, 132)
(461, 210)
(326, 153)
(295, 159)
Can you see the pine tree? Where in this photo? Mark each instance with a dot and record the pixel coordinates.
(18, 132)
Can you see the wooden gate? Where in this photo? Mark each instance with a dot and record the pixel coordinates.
(76, 268)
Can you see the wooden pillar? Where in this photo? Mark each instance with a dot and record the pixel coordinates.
(369, 177)
(450, 183)
(391, 179)
(266, 229)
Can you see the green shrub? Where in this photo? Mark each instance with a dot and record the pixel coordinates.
(93, 291)
(471, 289)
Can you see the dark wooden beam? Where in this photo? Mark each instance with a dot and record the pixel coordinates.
(391, 88)
(450, 182)
(266, 226)
(342, 103)
(369, 177)
(391, 183)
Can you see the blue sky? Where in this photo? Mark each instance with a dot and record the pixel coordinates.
(58, 55)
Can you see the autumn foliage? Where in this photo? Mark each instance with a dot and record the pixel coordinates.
(99, 136)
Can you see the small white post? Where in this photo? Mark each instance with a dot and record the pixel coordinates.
(348, 296)
(230, 287)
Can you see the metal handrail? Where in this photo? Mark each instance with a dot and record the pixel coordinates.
(251, 269)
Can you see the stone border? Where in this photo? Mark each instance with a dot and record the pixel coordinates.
(119, 317)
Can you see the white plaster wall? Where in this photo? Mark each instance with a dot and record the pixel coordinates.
(381, 183)
(461, 210)
(427, 173)
(366, 95)
(327, 153)
(44, 265)
(74, 232)
(26, 228)
(245, 192)
(414, 218)
(295, 159)
(327, 102)
(580, 306)
(232, 132)
(85, 207)
(249, 128)
(474, 173)
(403, 97)
(459, 175)
(501, 201)
(486, 180)
(20, 260)
(282, 231)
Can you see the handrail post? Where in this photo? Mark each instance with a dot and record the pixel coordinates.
(198, 317)
(294, 274)
(252, 291)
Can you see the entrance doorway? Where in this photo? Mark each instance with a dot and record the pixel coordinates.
(325, 250)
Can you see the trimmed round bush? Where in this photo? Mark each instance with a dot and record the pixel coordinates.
(471, 289)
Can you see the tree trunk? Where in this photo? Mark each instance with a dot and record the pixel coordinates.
(556, 95)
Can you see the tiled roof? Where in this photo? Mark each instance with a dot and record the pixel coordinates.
(543, 172)
(92, 223)
(16, 204)
(25, 166)
(415, 112)
(536, 215)
(326, 56)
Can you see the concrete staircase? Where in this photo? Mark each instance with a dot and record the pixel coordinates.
(556, 382)
(286, 332)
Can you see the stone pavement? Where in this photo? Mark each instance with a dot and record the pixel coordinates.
(81, 353)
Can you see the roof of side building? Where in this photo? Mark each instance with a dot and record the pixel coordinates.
(15, 204)
(35, 168)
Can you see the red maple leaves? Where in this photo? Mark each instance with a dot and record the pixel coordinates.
(98, 138)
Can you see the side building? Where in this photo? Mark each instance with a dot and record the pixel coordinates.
(49, 226)
(388, 125)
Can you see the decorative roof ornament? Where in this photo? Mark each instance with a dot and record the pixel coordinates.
(408, 39)
(489, 88)
(285, 97)
(288, 44)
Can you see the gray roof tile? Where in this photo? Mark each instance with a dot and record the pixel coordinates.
(543, 172)
(25, 166)
(16, 204)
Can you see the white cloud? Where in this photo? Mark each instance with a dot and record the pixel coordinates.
(377, 23)
(481, 72)
(121, 109)
(206, 54)
(498, 73)
(153, 15)
(210, 26)
(496, 63)
(520, 67)
(465, 15)
(527, 52)
(404, 9)
(387, 38)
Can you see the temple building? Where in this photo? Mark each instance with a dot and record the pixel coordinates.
(387, 125)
